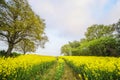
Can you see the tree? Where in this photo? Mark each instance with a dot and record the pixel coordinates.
(104, 46)
(83, 40)
(66, 49)
(25, 46)
(19, 22)
(74, 44)
(117, 28)
(98, 31)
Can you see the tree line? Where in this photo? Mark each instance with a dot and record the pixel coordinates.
(100, 40)
(20, 28)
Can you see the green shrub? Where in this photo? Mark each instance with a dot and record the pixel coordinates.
(105, 46)
(2, 53)
(15, 54)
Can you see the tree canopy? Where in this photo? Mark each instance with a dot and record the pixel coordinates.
(100, 40)
(117, 28)
(25, 46)
(19, 22)
(96, 31)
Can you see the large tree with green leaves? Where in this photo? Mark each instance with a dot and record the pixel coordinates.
(19, 22)
(97, 31)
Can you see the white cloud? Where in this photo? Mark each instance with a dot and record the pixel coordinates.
(71, 16)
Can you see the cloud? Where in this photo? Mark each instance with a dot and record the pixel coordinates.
(53, 46)
(114, 14)
(71, 17)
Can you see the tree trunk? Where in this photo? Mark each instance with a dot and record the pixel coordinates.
(24, 52)
(10, 48)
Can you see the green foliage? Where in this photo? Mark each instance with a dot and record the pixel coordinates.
(14, 54)
(105, 46)
(99, 40)
(59, 71)
(118, 45)
(65, 49)
(19, 22)
(97, 31)
(25, 46)
(117, 28)
(74, 44)
(2, 53)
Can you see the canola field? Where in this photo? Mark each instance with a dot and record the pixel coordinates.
(95, 68)
(24, 67)
(33, 67)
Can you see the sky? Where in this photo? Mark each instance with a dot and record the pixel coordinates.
(68, 20)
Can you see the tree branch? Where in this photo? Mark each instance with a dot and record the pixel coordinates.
(3, 34)
(18, 40)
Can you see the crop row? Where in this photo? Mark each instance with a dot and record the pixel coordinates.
(95, 68)
(24, 67)
(59, 69)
